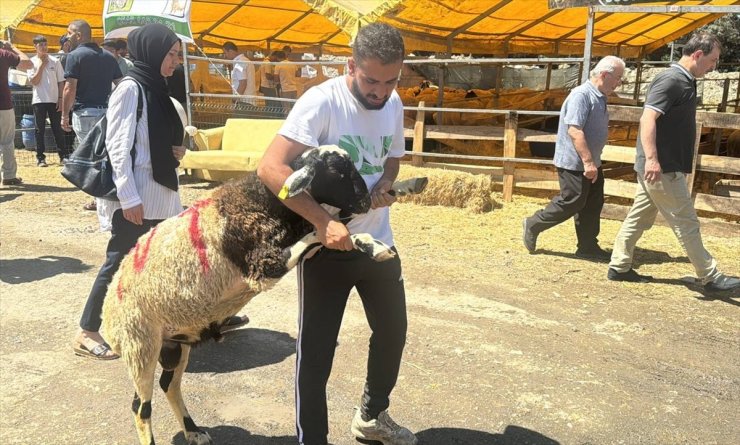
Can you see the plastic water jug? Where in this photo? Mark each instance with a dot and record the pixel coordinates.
(28, 134)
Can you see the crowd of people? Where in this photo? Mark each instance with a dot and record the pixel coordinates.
(362, 111)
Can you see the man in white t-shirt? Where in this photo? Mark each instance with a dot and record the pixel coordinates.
(361, 113)
(47, 79)
(242, 74)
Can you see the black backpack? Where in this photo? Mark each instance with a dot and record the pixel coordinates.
(88, 167)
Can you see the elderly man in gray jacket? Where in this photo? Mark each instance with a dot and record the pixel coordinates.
(582, 134)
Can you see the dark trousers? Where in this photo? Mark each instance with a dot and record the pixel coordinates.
(324, 283)
(40, 112)
(69, 137)
(123, 237)
(578, 198)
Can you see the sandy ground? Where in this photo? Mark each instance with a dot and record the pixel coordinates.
(503, 347)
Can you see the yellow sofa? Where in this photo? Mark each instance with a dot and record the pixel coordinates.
(230, 151)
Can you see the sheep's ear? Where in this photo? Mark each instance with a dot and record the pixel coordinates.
(297, 182)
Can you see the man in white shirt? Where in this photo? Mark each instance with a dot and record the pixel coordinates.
(362, 114)
(47, 79)
(242, 74)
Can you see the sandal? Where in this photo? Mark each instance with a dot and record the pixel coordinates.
(92, 206)
(99, 352)
(234, 322)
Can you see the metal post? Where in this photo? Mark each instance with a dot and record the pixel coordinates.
(587, 46)
(186, 68)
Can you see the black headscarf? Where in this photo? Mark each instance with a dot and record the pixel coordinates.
(148, 45)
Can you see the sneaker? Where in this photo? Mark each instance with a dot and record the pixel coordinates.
(528, 237)
(595, 253)
(723, 283)
(13, 181)
(383, 429)
(630, 276)
(42, 163)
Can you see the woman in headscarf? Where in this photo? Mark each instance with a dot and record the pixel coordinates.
(146, 181)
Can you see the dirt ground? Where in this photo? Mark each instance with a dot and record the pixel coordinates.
(503, 347)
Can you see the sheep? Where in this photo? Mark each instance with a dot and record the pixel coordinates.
(193, 271)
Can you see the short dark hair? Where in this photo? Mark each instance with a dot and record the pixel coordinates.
(229, 46)
(703, 41)
(378, 41)
(121, 44)
(109, 43)
(83, 28)
(39, 39)
(287, 49)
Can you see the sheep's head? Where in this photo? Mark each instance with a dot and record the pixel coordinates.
(330, 176)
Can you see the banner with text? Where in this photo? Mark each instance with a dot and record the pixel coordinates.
(122, 16)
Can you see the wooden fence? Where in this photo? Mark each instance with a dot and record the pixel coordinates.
(514, 171)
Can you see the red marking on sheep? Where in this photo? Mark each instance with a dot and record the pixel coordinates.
(142, 253)
(119, 290)
(196, 234)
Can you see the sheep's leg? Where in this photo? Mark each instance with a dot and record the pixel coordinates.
(174, 360)
(142, 373)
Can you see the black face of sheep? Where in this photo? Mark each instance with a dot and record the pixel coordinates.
(330, 177)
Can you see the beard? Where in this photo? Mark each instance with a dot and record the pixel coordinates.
(363, 100)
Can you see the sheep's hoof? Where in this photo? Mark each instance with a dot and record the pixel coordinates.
(199, 438)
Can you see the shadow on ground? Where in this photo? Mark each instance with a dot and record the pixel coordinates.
(241, 350)
(512, 435)
(26, 270)
(236, 435)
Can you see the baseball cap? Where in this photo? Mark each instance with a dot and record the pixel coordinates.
(63, 39)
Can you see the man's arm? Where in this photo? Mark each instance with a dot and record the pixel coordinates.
(648, 129)
(60, 99)
(68, 99)
(274, 169)
(25, 63)
(578, 137)
(242, 86)
(35, 79)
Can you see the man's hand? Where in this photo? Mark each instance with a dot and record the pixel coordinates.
(135, 214)
(591, 172)
(335, 235)
(380, 196)
(652, 171)
(65, 122)
(179, 152)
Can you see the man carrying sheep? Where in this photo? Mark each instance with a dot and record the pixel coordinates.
(582, 134)
(361, 113)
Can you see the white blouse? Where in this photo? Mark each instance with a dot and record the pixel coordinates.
(135, 184)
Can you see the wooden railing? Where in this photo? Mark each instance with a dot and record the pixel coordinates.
(514, 171)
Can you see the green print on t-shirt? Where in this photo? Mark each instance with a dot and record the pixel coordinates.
(368, 157)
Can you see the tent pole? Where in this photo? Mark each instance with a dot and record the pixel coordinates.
(587, 46)
(186, 69)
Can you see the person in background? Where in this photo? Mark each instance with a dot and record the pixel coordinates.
(122, 49)
(10, 57)
(64, 49)
(90, 74)
(269, 83)
(285, 73)
(47, 81)
(147, 184)
(124, 64)
(665, 154)
(582, 133)
(362, 113)
(242, 75)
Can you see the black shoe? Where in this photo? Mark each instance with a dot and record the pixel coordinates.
(42, 163)
(630, 276)
(595, 253)
(529, 237)
(723, 283)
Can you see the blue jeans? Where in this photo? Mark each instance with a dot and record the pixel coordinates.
(84, 119)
